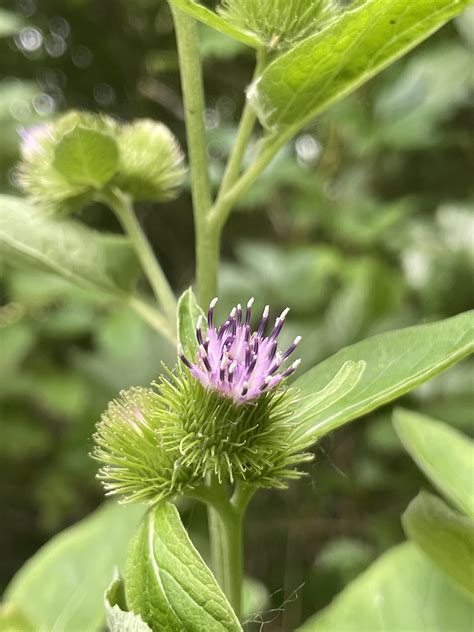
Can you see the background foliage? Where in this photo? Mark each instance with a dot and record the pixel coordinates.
(362, 225)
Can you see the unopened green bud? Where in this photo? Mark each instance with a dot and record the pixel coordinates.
(151, 161)
(156, 443)
(63, 162)
(279, 23)
(136, 464)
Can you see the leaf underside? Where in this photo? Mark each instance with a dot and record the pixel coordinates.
(324, 68)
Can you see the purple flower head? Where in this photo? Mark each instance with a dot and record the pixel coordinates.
(237, 362)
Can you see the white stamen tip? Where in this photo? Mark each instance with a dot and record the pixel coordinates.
(266, 311)
(233, 312)
(225, 362)
(232, 367)
(202, 349)
(214, 302)
(199, 322)
(245, 385)
(250, 303)
(296, 363)
(297, 340)
(284, 313)
(180, 349)
(268, 379)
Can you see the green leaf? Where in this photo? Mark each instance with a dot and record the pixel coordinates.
(188, 313)
(81, 255)
(444, 454)
(444, 535)
(87, 156)
(401, 592)
(255, 598)
(61, 587)
(215, 21)
(9, 23)
(168, 583)
(393, 364)
(118, 618)
(345, 380)
(341, 57)
(12, 619)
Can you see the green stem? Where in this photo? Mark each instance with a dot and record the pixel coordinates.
(223, 206)
(247, 123)
(225, 526)
(207, 242)
(217, 546)
(153, 318)
(232, 546)
(122, 206)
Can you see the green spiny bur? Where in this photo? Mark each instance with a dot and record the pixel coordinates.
(157, 443)
(151, 161)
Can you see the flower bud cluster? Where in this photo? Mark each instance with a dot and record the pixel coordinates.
(142, 159)
(37, 174)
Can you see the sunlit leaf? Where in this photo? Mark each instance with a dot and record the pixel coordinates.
(393, 364)
(401, 592)
(324, 68)
(444, 454)
(61, 587)
(212, 19)
(444, 535)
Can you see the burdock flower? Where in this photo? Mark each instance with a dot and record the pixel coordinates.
(239, 363)
(228, 414)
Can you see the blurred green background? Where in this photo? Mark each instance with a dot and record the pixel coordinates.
(362, 225)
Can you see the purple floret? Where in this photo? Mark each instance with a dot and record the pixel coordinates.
(237, 362)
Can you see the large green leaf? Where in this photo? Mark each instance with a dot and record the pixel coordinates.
(444, 535)
(188, 313)
(168, 583)
(401, 592)
(215, 21)
(12, 619)
(118, 617)
(389, 365)
(443, 453)
(61, 588)
(341, 57)
(81, 255)
(87, 156)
